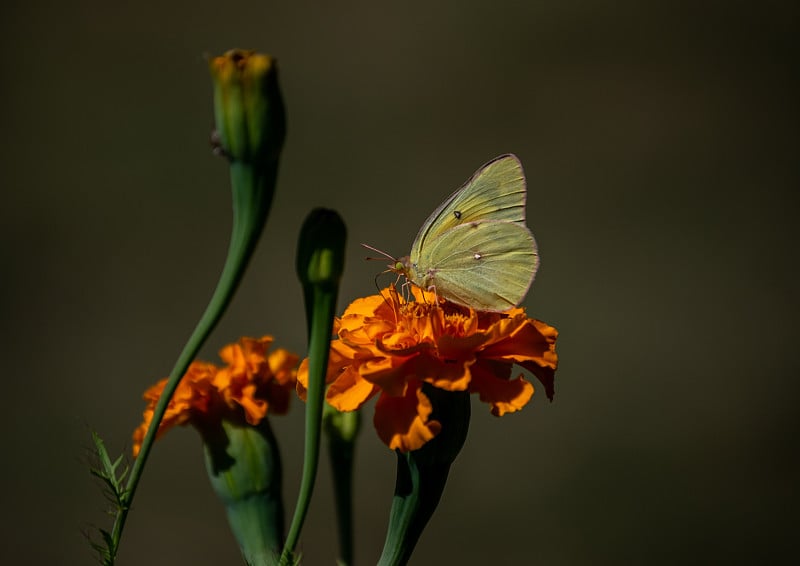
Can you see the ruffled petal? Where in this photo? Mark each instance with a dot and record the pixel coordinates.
(254, 408)
(281, 365)
(302, 380)
(390, 345)
(532, 341)
(350, 391)
(363, 307)
(450, 375)
(402, 422)
(251, 384)
(504, 395)
(388, 373)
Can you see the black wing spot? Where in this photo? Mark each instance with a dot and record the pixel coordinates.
(457, 214)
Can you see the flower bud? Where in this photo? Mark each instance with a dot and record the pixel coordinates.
(248, 107)
(320, 257)
(243, 464)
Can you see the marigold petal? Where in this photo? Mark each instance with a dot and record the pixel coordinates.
(251, 384)
(350, 391)
(402, 422)
(248, 356)
(340, 356)
(450, 375)
(185, 401)
(365, 306)
(460, 347)
(301, 386)
(255, 408)
(389, 344)
(223, 379)
(532, 341)
(358, 333)
(232, 355)
(253, 378)
(545, 375)
(504, 395)
(388, 373)
(281, 365)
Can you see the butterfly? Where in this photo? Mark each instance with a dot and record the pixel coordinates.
(475, 248)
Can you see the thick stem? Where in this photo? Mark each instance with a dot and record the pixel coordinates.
(422, 475)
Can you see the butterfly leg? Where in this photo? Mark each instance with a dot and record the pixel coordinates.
(435, 294)
(405, 289)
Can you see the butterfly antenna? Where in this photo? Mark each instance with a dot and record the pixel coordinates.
(392, 269)
(377, 251)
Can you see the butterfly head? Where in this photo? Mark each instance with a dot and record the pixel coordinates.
(401, 266)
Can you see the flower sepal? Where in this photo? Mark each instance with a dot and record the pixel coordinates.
(243, 464)
(422, 474)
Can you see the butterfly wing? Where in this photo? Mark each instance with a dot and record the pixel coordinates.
(496, 191)
(487, 264)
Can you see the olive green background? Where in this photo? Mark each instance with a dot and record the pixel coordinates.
(660, 142)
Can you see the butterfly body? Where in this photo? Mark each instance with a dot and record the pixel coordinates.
(475, 249)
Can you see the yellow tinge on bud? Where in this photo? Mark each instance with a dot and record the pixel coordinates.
(248, 107)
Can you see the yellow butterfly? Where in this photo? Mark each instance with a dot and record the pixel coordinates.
(475, 249)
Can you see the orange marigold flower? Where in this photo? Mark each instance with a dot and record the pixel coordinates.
(252, 383)
(389, 346)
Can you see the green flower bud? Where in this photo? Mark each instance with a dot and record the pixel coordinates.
(243, 464)
(320, 263)
(320, 257)
(248, 107)
(341, 427)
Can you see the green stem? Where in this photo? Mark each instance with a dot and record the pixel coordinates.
(417, 494)
(422, 475)
(324, 304)
(342, 429)
(250, 206)
(342, 455)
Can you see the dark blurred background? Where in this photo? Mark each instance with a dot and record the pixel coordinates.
(660, 142)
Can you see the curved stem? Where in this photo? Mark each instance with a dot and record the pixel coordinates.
(250, 205)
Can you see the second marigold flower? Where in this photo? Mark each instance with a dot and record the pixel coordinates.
(253, 382)
(389, 346)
